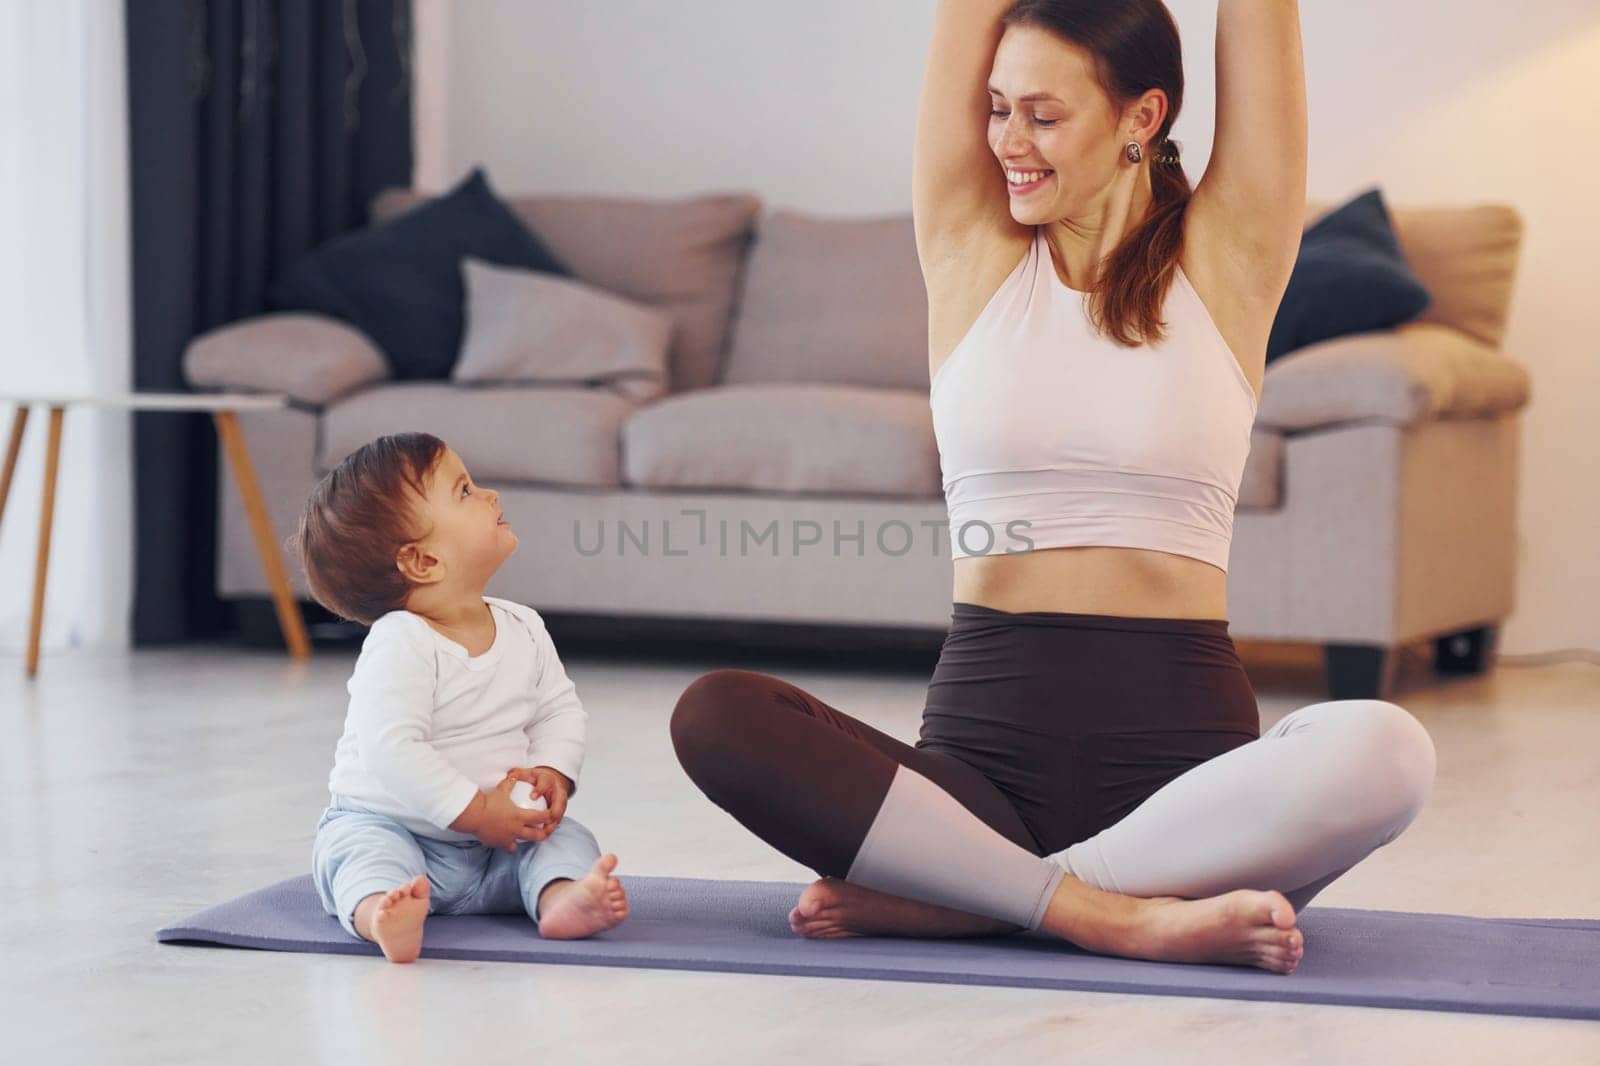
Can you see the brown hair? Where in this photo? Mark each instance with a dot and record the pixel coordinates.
(357, 519)
(1135, 48)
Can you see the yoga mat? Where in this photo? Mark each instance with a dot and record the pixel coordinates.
(1545, 967)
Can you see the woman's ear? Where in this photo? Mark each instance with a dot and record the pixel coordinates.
(1146, 114)
(420, 566)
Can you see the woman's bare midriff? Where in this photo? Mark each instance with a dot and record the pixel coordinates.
(1130, 582)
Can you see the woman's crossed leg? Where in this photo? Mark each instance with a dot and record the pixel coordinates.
(811, 780)
(912, 842)
(1294, 809)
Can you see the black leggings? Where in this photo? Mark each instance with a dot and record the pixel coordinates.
(1047, 726)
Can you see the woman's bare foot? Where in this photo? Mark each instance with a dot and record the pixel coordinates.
(393, 919)
(832, 908)
(569, 910)
(1248, 927)
(1245, 927)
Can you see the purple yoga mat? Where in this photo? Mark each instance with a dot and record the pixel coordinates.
(1545, 967)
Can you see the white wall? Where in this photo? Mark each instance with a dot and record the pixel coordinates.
(812, 106)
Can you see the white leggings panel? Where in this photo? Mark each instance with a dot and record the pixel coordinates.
(924, 845)
(1314, 795)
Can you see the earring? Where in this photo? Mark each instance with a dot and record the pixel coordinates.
(1134, 153)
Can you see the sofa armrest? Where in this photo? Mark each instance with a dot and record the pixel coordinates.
(310, 358)
(1417, 372)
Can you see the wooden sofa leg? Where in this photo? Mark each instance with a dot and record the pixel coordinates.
(1358, 671)
(1467, 652)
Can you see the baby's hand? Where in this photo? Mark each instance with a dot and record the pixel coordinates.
(522, 795)
(552, 785)
(501, 823)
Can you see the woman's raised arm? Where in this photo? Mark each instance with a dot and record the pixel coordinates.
(1255, 183)
(955, 180)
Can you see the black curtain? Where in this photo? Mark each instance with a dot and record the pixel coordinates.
(257, 130)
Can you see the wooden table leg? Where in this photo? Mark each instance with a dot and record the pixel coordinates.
(255, 508)
(19, 422)
(52, 462)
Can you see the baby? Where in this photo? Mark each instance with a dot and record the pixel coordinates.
(459, 709)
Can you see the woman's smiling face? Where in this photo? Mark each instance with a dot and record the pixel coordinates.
(1050, 124)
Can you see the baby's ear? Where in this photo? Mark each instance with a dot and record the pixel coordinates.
(418, 565)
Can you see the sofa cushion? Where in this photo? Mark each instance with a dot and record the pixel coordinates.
(1465, 255)
(831, 300)
(834, 439)
(1261, 484)
(680, 255)
(309, 358)
(1420, 371)
(562, 436)
(1350, 276)
(529, 327)
(399, 281)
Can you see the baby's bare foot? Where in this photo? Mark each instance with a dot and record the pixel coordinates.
(830, 908)
(569, 910)
(397, 920)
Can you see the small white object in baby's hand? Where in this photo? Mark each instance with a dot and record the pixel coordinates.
(520, 793)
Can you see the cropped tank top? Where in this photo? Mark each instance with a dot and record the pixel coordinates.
(1051, 435)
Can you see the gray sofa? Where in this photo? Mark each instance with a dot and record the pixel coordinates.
(790, 473)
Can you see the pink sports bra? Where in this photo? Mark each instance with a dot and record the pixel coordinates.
(1051, 435)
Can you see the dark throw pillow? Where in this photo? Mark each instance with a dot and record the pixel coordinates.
(1350, 277)
(399, 282)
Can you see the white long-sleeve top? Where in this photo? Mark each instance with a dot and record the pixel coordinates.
(429, 725)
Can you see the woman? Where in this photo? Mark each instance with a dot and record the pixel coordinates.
(1091, 764)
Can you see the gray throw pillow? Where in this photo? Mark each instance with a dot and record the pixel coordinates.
(532, 327)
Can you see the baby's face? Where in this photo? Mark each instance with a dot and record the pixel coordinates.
(466, 528)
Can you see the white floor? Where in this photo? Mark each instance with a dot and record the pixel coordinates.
(139, 788)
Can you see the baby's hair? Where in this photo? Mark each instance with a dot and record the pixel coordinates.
(357, 519)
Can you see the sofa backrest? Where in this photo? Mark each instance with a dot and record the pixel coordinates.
(680, 255)
(841, 300)
(1466, 256)
(828, 299)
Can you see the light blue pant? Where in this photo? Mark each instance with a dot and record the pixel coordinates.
(358, 852)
